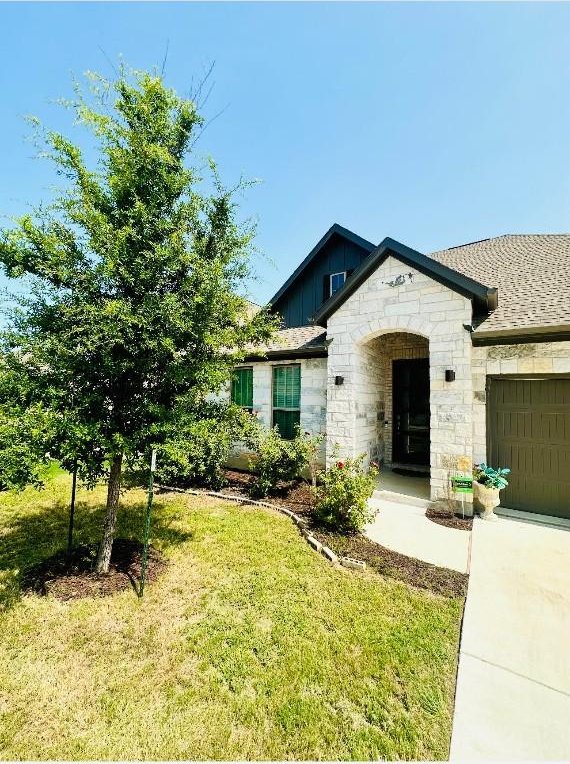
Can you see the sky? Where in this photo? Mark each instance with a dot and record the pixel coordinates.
(433, 123)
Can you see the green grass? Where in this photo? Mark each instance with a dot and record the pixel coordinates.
(249, 646)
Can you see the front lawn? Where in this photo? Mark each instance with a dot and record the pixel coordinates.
(249, 645)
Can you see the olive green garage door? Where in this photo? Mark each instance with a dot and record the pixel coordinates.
(529, 431)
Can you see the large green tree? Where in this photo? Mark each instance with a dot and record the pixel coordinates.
(138, 269)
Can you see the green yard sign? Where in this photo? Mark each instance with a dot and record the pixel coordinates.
(462, 484)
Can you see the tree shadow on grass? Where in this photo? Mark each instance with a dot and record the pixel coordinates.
(32, 537)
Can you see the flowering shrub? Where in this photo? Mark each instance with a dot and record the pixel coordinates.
(342, 496)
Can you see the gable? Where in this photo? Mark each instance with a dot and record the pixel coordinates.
(305, 291)
(483, 298)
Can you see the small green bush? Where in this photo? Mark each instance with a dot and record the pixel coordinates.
(277, 459)
(198, 450)
(341, 498)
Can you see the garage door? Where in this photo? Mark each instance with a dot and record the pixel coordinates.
(529, 431)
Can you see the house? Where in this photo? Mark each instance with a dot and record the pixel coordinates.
(417, 360)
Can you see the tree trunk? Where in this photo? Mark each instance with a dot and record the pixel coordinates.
(113, 491)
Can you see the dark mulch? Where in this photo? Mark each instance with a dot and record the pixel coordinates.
(448, 583)
(298, 497)
(295, 496)
(448, 513)
(75, 578)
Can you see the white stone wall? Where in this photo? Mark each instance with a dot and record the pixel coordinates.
(313, 398)
(369, 402)
(397, 298)
(526, 358)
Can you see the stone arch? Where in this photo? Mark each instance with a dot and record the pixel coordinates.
(390, 324)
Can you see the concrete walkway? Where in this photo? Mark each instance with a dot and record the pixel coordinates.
(404, 528)
(513, 686)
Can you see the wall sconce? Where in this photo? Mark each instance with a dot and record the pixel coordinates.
(339, 380)
(449, 375)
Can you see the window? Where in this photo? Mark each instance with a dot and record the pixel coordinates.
(332, 282)
(242, 388)
(287, 399)
(337, 281)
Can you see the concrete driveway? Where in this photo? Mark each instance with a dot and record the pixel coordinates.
(513, 687)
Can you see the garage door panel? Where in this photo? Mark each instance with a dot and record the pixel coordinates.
(529, 431)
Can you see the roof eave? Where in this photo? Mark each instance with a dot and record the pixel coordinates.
(521, 334)
(287, 354)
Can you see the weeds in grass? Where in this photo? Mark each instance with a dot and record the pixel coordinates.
(248, 646)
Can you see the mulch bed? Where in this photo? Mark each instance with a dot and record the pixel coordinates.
(75, 578)
(298, 497)
(446, 513)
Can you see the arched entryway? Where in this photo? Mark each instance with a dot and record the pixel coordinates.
(388, 398)
(404, 405)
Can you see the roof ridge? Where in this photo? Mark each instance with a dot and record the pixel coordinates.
(469, 243)
(500, 236)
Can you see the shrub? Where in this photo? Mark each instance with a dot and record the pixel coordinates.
(343, 493)
(278, 459)
(199, 448)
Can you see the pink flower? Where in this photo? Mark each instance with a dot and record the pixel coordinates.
(340, 465)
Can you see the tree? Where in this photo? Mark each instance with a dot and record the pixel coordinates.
(138, 268)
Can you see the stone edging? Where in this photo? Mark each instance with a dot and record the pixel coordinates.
(299, 522)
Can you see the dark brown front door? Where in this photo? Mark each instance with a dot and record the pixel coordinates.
(410, 396)
(528, 430)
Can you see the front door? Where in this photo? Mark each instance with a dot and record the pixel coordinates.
(410, 395)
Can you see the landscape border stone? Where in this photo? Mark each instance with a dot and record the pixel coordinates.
(350, 562)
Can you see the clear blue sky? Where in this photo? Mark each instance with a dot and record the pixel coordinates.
(436, 124)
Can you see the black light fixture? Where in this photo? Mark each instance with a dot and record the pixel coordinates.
(338, 380)
(449, 375)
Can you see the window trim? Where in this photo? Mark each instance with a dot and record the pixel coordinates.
(284, 408)
(331, 276)
(245, 408)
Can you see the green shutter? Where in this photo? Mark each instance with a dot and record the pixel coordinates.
(286, 422)
(287, 387)
(287, 399)
(242, 387)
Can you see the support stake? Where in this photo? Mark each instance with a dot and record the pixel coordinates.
(144, 563)
(72, 511)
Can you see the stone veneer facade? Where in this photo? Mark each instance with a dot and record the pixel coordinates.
(313, 417)
(398, 300)
(401, 313)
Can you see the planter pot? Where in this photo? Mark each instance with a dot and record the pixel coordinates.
(486, 499)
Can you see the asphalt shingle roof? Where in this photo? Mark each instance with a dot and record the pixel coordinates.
(298, 338)
(531, 272)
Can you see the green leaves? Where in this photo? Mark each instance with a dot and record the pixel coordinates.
(343, 493)
(490, 477)
(138, 272)
(277, 459)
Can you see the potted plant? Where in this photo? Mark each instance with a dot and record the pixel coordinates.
(488, 482)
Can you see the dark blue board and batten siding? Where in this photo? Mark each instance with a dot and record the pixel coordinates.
(298, 304)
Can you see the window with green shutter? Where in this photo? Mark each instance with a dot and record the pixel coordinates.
(242, 388)
(287, 399)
